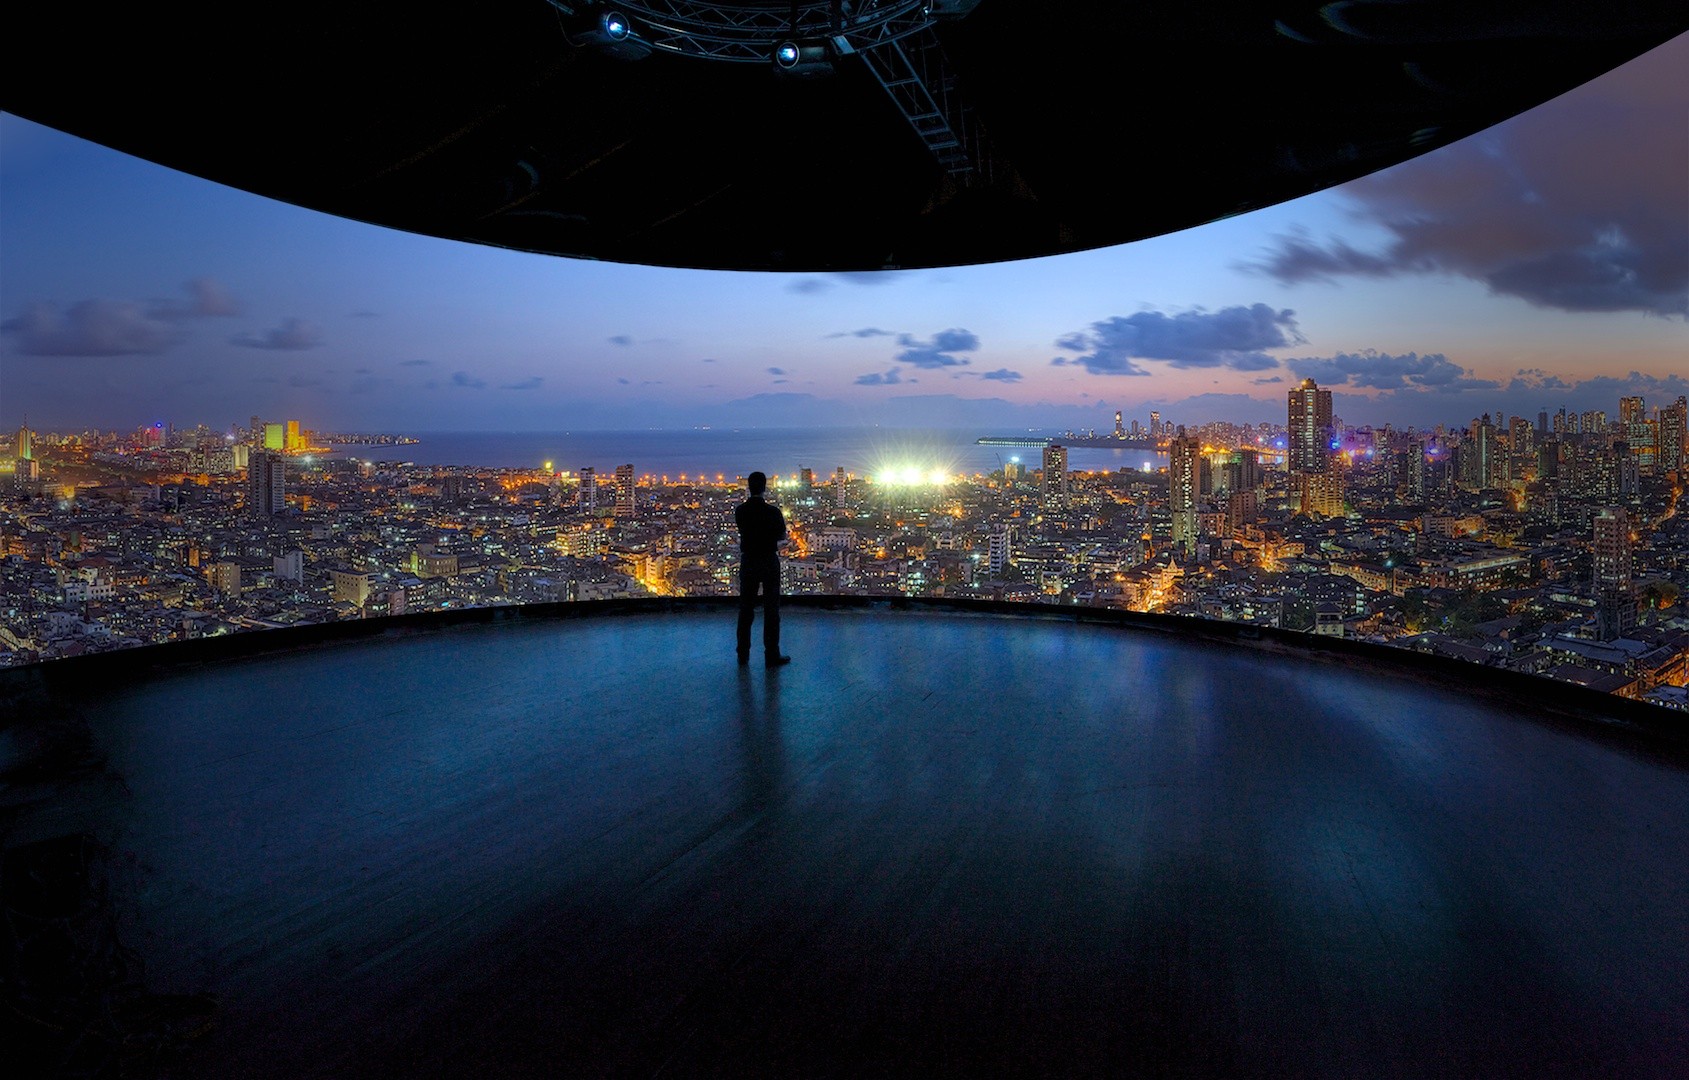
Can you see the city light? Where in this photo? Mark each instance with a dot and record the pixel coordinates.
(912, 476)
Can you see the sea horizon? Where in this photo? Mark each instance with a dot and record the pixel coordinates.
(734, 452)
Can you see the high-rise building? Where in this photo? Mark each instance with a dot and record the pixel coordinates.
(1309, 424)
(1674, 436)
(1155, 425)
(1412, 476)
(292, 441)
(1249, 471)
(1632, 410)
(1055, 473)
(275, 437)
(1182, 482)
(266, 484)
(1242, 510)
(624, 491)
(587, 500)
(26, 442)
(1322, 495)
(841, 488)
(1119, 425)
(806, 479)
(997, 549)
(1615, 600)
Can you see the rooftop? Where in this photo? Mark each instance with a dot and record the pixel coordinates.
(941, 842)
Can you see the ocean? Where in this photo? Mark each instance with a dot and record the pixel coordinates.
(734, 452)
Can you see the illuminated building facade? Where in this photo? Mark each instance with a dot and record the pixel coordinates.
(587, 500)
(1310, 430)
(1183, 454)
(625, 488)
(1056, 478)
(1610, 549)
(1674, 434)
(266, 484)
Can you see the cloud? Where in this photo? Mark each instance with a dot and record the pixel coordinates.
(291, 336)
(1382, 371)
(777, 371)
(1577, 205)
(865, 332)
(305, 382)
(707, 360)
(624, 382)
(876, 378)
(90, 328)
(532, 382)
(1002, 375)
(868, 277)
(1269, 380)
(1537, 379)
(206, 299)
(1232, 337)
(808, 286)
(415, 363)
(620, 339)
(467, 381)
(940, 352)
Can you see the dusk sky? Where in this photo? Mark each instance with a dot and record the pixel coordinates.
(1542, 263)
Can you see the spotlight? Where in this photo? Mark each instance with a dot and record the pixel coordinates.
(802, 60)
(608, 32)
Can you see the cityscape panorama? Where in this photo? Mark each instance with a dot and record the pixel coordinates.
(1442, 408)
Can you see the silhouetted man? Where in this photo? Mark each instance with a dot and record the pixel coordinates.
(761, 528)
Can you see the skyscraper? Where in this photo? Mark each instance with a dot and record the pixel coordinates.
(1615, 601)
(1674, 435)
(1182, 489)
(1309, 423)
(624, 491)
(266, 484)
(1055, 474)
(997, 549)
(588, 498)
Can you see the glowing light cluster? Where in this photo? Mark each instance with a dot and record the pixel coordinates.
(912, 476)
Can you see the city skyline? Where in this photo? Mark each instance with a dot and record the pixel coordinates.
(1543, 263)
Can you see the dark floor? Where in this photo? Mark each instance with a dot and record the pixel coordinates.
(933, 845)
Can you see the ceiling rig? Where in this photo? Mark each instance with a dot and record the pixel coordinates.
(808, 39)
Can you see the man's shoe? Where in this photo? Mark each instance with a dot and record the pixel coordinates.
(776, 661)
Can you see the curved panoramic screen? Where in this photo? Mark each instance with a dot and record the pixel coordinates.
(1440, 408)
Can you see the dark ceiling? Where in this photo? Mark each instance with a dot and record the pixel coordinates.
(1104, 121)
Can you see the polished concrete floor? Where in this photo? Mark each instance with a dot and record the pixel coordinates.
(935, 845)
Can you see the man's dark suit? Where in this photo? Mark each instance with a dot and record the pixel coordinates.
(761, 528)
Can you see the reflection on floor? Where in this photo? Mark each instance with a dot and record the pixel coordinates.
(933, 845)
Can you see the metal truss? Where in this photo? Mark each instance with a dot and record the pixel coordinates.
(916, 78)
(893, 37)
(748, 33)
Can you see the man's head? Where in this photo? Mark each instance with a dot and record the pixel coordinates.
(757, 482)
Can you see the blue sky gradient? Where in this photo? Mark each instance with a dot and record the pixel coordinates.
(1544, 262)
